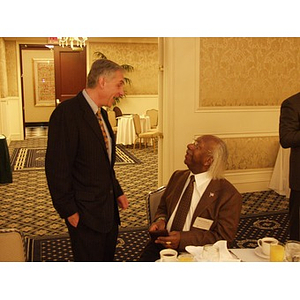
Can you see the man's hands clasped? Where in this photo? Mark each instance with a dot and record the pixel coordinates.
(170, 241)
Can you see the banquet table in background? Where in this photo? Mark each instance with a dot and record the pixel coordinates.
(126, 130)
(280, 176)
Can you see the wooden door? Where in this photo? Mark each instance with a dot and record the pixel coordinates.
(70, 72)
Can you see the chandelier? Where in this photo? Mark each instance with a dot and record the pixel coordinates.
(72, 42)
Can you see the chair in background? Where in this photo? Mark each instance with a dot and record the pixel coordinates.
(118, 111)
(153, 200)
(112, 120)
(153, 115)
(152, 135)
(12, 246)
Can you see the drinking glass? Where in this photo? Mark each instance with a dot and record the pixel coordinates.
(276, 252)
(292, 251)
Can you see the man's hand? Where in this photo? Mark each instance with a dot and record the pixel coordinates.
(123, 202)
(74, 219)
(170, 241)
(159, 225)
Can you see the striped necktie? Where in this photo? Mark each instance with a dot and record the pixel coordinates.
(100, 120)
(183, 207)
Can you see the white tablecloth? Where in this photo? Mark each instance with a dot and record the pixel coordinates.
(126, 131)
(248, 255)
(280, 176)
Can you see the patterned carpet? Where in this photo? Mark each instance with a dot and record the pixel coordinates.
(26, 205)
(131, 243)
(34, 158)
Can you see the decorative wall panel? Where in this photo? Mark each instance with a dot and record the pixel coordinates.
(142, 56)
(11, 68)
(248, 71)
(252, 152)
(44, 81)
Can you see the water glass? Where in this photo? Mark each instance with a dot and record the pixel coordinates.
(292, 251)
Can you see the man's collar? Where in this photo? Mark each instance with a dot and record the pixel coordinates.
(201, 177)
(90, 101)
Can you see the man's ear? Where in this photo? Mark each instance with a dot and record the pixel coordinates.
(209, 161)
(101, 82)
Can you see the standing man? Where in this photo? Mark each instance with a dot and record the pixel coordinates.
(289, 134)
(213, 207)
(80, 161)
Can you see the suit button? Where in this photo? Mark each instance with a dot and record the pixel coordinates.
(111, 192)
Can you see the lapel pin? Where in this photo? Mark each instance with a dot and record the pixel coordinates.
(211, 194)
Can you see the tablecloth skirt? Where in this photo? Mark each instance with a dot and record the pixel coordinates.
(5, 167)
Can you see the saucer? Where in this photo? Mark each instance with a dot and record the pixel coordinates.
(259, 253)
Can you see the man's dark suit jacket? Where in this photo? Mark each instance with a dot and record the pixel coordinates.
(80, 176)
(289, 134)
(221, 203)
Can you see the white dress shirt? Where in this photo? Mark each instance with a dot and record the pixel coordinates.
(94, 107)
(201, 182)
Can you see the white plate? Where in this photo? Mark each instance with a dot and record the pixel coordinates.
(259, 253)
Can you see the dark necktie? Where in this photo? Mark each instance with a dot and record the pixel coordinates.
(100, 120)
(183, 207)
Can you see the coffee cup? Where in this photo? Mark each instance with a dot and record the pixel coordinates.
(264, 244)
(168, 255)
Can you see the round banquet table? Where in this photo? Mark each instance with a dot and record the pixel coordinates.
(126, 131)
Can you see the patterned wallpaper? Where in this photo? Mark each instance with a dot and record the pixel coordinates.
(142, 56)
(11, 68)
(248, 71)
(252, 152)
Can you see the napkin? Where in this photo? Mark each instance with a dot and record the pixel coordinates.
(225, 255)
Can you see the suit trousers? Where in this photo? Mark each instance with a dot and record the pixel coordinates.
(89, 245)
(151, 252)
(294, 215)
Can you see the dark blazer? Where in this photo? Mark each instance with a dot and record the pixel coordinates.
(289, 134)
(80, 176)
(221, 202)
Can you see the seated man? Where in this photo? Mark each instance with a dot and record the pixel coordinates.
(213, 207)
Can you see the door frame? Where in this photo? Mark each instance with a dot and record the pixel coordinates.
(21, 48)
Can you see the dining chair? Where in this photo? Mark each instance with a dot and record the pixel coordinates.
(153, 201)
(153, 115)
(112, 120)
(12, 246)
(118, 111)
(152, 135)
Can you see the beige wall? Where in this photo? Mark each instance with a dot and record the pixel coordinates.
(230, 87)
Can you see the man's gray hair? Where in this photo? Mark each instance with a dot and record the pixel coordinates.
(101, 67)
(220, 156)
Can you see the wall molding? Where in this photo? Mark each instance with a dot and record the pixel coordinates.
(142, 96)
(236, 135)
(238, 109)
(250, 180)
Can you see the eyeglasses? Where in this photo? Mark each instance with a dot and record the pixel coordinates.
(197, 146)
